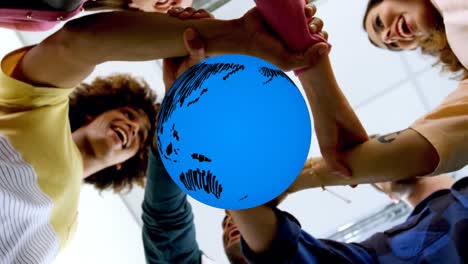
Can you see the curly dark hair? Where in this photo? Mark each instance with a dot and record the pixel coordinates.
(436, 45)
(104, 94)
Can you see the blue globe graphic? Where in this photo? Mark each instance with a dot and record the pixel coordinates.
(233, 132)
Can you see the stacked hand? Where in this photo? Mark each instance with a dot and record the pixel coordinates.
(265, 44)
(174, 67)
(336, 125)
(258, 38)
(311, 176)
(316, 51)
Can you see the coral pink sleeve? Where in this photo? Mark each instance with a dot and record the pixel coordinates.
(288, 20)
(446, 128)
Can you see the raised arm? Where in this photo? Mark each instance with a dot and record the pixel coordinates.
(72, 53)
(168, 228)
(391, 157)
(336, 125)
(272, 236)
(335, 122)
(432, 145)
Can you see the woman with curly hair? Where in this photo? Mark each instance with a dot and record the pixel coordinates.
(123, 92)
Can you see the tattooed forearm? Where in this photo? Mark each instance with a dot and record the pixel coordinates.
(388, 138)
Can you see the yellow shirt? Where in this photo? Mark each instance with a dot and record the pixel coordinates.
(40, 169)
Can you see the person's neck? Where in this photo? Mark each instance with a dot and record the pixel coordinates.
(425, 186)
(91, 165)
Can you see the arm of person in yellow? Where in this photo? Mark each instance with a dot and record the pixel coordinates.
(72, 53)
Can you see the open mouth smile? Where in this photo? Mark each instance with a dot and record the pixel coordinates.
(123, 136)
(162, 2)
(403, 30)
(232, 235)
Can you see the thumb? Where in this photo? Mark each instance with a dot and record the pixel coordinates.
(318, 49)
(316, 52)
(340, 170)
(194, 44)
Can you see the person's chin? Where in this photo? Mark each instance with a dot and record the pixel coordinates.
(159, 9)
(186, 3)
(106, 148)
(234, 254)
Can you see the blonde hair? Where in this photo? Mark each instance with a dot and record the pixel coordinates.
(436, 45)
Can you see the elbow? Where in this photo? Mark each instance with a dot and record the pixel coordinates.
(429, 160)
(425, 156)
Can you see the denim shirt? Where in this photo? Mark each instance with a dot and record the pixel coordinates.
(435, 232)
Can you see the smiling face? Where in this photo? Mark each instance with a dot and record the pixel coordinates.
(117, 135)
(231, 241)
(401, 24)
(161, 6)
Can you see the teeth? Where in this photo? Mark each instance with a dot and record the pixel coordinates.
(123, 135)
(401, 30)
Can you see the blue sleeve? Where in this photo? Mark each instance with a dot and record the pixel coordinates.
(168, 228)
(294, 245)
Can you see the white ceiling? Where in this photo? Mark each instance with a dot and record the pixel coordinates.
(388, 90)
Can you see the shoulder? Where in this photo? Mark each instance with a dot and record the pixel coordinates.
(15, 91)
(455, 15)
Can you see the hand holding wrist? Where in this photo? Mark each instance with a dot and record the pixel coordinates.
(310, 175)
(222, 37)
(317, 60)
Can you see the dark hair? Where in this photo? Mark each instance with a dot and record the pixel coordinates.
(371, 4)
(436, 45)
(104, 94)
